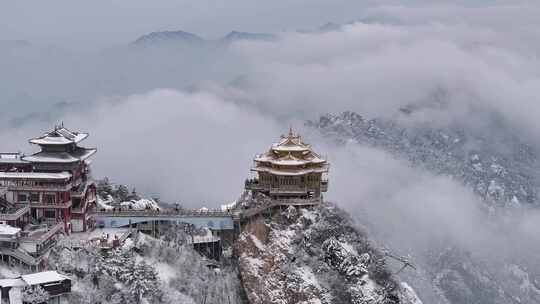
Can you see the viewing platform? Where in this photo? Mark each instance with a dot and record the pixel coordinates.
(274, 204)
(162, 213)
(254, 185)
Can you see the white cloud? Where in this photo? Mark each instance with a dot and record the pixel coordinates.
(197, 146)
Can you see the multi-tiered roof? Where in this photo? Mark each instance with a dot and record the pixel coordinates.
(290, 156)
(60, 146)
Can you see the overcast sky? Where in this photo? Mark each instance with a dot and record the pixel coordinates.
(101, 23)
(185, 123)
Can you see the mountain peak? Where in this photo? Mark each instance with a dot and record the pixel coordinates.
(330, 27)
(168, 37)
(235, 36)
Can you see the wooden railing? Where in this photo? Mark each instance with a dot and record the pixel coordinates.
(255, 185)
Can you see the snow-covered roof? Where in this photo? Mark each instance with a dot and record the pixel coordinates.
(16, 282)
(290, 143)
(59, 136)
(79, 154)
(291, 156)
(8, 230)
(11, 157)
(290, 160)
(43, 277)
(35, 175)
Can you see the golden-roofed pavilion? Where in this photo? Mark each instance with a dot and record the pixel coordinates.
(290, 169)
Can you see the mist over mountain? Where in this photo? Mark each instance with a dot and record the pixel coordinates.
(469, 230)
(427, 113)
(185, 39)
(167, 37)
(493, 162)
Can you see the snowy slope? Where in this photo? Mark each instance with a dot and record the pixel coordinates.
(492, 161)
(314, 256)
(498, 167)
(162, 270)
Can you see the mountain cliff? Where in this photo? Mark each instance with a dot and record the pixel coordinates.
(315, 255)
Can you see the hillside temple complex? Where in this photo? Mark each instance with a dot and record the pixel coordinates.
(290, 170)
(52, 192)
(44, 194)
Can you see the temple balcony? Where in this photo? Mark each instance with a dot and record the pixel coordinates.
(55, 205)
(324, 185)
(253, 184)
(40, 188)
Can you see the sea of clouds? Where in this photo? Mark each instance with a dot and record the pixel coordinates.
(184, 123)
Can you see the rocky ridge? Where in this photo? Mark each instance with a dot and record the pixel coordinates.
(315, 256)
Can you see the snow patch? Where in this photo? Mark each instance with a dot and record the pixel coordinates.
(142, 204)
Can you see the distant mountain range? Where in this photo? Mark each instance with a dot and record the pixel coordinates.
(186, 38)
(180, 37)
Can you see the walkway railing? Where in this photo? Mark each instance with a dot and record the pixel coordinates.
(20, 255)
(235, 213)
(255, 185)
(42, 237)
(161, 213)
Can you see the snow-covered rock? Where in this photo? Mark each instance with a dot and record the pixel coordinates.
(314, 256)
(495, 164)
(105, 203)
(141, 204)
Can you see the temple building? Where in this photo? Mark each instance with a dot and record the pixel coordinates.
(290, 170)
(54, 183)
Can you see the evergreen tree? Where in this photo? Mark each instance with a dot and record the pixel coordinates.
(133, 195)
(143, 281)
(122, 193)
(104, 187)
(34, 295)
